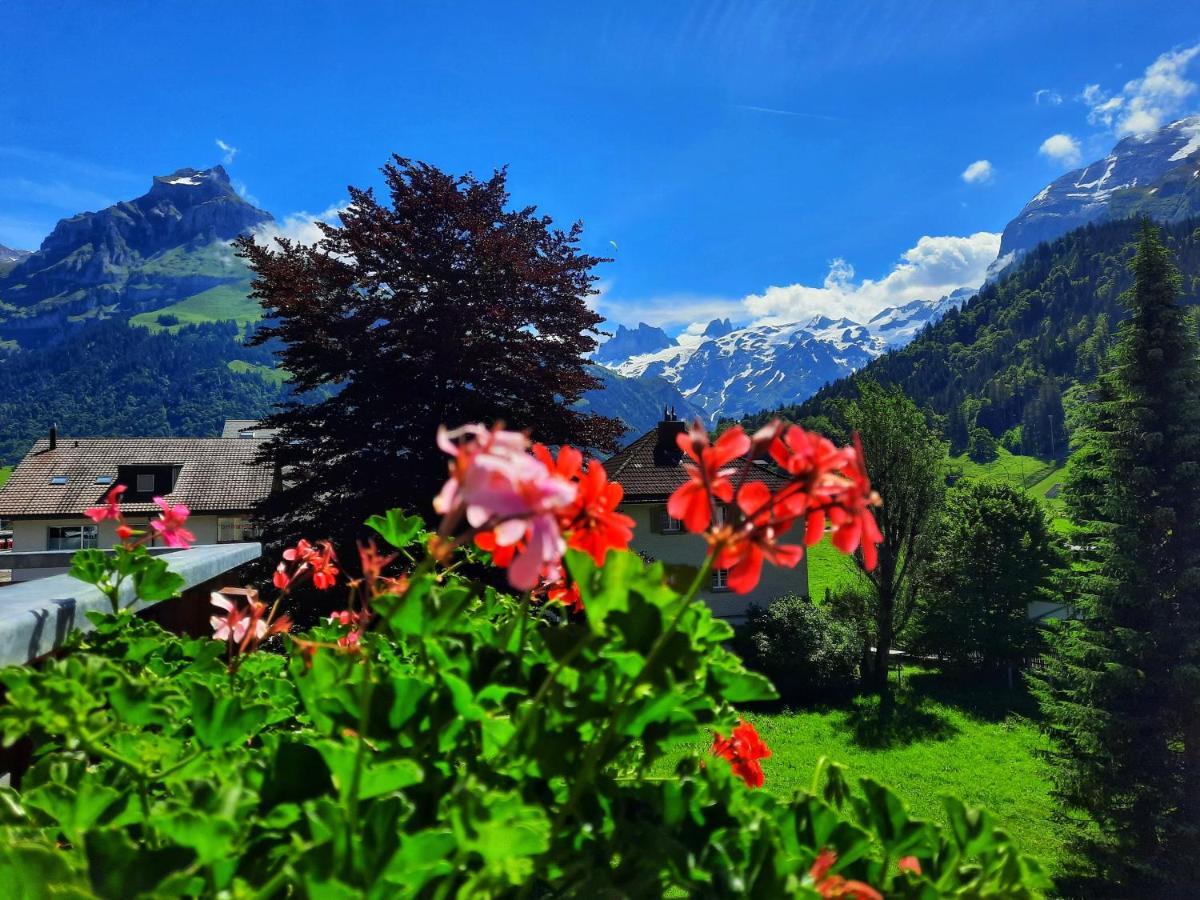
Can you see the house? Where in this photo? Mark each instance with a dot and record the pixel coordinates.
(649, 470)
(219, 479)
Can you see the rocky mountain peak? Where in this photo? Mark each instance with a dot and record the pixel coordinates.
(1136, 164)
(627, 342)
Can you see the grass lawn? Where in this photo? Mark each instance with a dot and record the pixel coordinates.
(947, 737)
(5, 471)
(224, 303)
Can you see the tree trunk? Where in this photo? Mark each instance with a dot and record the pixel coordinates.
(883, 642)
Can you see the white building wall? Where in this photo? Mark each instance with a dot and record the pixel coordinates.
(688, 549)
(30, 534)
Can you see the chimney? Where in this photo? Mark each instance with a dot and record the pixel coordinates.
(54, 436)
(666, 450)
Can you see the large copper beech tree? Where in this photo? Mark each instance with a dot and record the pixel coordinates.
(444, 306)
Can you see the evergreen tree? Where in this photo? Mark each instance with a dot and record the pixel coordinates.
(444, 307)
(904, 458)
(1121, 691)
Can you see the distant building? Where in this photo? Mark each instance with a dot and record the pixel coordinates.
(649, 470)
(219, 479)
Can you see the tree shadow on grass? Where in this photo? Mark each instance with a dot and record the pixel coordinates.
(988, 699)
(911, 721)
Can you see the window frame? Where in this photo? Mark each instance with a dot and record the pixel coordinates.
(719, 582)
(88, 537)
(669, 524)
(138, 483)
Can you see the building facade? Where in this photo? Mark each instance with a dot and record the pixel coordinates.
(220, 480)
(649, 470)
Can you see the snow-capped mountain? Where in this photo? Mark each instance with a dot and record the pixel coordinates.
(1123, 183)
(11, 256)
(728, 371)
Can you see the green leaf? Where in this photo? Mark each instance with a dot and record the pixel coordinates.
(91, 566)
(396, 528)
(212, 837)
(221, 721)
(31, 871)
(154, 581)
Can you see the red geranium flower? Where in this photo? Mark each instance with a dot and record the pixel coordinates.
(743, 748)
(593, 523)
(853, 522)
(835, 885)
(707, 476)
(757, 540)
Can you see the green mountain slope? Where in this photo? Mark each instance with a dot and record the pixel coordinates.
(1004, 359)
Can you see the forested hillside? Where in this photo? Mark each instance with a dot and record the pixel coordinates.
(1003, 361)
(108, 379)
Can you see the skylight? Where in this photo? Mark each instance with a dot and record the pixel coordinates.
(58, 479)
(103, 479)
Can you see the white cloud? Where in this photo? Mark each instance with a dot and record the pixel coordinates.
(300, 227)
(1047, 96)
(1145, 103)
(933, 268)
(978, 172)
(228, 151)
(1061, 148)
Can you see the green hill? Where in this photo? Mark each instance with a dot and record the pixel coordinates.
(1004, 359)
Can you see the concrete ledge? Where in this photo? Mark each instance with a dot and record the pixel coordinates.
(36, 616)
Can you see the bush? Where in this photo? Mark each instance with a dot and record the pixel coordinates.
(802, 648)
(982, 447)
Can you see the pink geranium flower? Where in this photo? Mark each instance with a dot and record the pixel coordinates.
(502, 489)
(170, 522)
(236, 622)
(111, 508)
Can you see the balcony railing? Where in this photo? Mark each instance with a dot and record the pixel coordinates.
(36, 616)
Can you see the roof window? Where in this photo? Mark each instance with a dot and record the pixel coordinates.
(58, 479)
(103, 479)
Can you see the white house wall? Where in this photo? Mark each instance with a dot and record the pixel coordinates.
(688, 549)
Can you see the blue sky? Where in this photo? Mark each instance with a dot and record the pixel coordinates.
(733, 151)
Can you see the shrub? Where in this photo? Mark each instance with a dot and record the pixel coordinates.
(802, 648)
(982, 447)
(440, 737)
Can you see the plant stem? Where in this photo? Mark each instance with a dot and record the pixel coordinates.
(359, 758)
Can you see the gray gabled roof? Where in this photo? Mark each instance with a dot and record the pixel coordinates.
(216, 475)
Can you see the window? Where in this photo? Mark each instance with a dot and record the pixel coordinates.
(71, 537)
(233, 529)
(58, 479)
(670, 525)
(246, 434)
(103, 479)
(720, 579)
(145, 483)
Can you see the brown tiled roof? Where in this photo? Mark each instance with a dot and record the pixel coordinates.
(635, 470)
(216, 474)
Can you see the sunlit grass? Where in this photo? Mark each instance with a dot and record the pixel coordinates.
(947, 737)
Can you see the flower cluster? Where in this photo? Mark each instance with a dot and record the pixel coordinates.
(837, 885)
(817, 483)
(525, 506)
(169, 526)
(317, 560)
(743, 749)
(245, 622)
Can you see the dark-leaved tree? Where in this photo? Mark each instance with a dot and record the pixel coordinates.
(443, 306)
(1121, 690)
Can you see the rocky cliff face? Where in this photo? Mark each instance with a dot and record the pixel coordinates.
(159, 248)
(627, 342)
